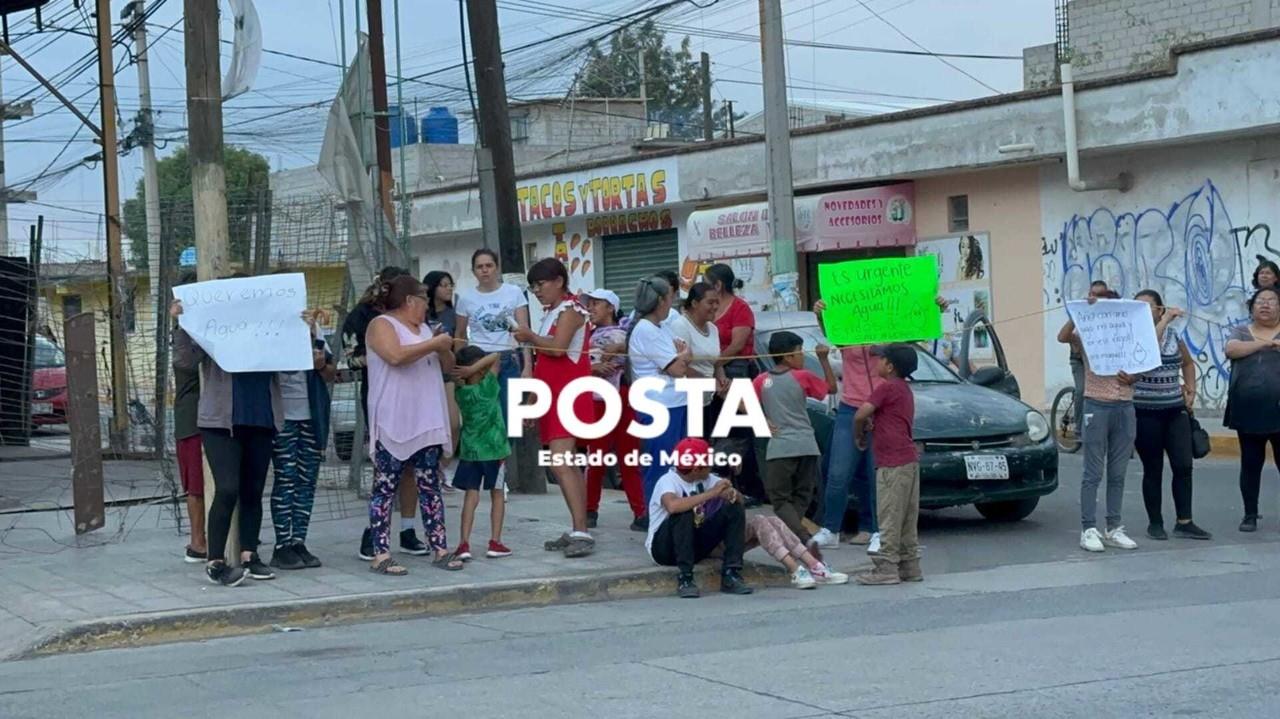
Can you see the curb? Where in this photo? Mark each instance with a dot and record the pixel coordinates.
(1224, 446)
(149, 629)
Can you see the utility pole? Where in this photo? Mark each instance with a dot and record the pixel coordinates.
(115, 254)
(729, 105)
(777, 143)
(498, 185)
(381, 123)
(644, 90)
(708, 129)
(495, 129)
(135, 14)
(208, 175)
(403, 184)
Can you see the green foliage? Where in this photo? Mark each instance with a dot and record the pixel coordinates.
(247, 183)
(673, 79)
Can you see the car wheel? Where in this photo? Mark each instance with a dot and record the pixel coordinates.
(1011, 511)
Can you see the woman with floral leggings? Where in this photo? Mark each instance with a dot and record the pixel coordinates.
(408, 416)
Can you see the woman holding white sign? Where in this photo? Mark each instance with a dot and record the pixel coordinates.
(1254, 395)
(1109, 432)
(1162, 401)
(408, 416)
(239, 415)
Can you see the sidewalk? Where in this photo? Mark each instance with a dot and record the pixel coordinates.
(59, 594)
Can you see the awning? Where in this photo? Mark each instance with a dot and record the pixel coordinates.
(870, 217)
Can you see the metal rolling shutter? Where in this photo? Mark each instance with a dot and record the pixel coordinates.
(629, 258)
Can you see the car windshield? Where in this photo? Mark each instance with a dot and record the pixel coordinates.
(929, 369)
(48, 354)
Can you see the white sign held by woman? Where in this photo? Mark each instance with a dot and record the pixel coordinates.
(249, 324)
(1118, 335)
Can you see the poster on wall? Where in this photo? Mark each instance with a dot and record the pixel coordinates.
(753, 272)
(964, 279)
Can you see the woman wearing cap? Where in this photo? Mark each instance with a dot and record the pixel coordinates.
(655, 352)
(561, 345)
(608, 360)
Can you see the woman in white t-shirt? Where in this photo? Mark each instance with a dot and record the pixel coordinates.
(486, 316)
(696, 328)
(655, 352)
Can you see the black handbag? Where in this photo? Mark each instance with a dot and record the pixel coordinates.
(1200, 445)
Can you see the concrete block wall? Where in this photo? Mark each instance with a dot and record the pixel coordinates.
(1112, 37)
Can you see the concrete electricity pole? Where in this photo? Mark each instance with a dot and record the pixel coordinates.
(208, 176)
(115, 253)
(150, 171)
(777, 142)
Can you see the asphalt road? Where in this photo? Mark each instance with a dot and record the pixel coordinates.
(1012, 621)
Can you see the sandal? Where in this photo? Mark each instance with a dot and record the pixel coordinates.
(449, 562)
(557, 545)
(389, 567)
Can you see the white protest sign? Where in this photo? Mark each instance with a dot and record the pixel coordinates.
(249, 324)
(1118, 335)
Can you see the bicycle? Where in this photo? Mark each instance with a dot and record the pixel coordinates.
(1063, 419)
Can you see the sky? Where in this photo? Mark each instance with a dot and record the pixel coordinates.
(283, 116)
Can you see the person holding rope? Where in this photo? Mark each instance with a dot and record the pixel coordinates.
(561, 346)
(655, 352)
(354, 329)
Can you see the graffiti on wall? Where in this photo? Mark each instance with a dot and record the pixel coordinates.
(1190, 252)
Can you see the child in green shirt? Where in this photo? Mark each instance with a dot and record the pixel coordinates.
(484, 446)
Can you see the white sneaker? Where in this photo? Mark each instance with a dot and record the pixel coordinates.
(1118, 539)
(802, 579)
(824, 575)
(1091, 540)
(874, 545)
(825, 539)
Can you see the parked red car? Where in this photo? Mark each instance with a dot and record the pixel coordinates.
(49, 384)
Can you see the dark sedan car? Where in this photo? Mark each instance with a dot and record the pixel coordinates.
(977, 445)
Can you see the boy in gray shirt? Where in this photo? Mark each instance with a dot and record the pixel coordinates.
(793, 461)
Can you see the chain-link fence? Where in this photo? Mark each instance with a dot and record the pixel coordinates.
(305, 235)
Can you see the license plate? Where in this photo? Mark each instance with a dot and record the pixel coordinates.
(986, 466)
(41, 408)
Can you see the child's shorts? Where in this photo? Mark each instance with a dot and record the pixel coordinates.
(477, 475)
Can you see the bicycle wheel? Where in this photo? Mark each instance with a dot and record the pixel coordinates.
(1063, 419)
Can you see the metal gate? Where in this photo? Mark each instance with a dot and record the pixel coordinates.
(630, 258)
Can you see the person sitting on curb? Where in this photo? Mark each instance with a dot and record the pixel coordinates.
(807, 571)
(691, 513)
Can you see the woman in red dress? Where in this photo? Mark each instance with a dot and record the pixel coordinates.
(560, 357)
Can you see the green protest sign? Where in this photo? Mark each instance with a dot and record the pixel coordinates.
(877, 301)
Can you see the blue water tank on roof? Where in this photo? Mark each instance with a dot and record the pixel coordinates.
(404, 128)
(440, 127)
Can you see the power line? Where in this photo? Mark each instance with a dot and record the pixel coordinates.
(941, 58)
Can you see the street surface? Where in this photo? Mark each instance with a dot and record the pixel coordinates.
(1012, 621)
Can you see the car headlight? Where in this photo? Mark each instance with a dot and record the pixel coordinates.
(1037, 426)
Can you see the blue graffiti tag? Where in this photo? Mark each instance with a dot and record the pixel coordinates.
(1190, 253)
